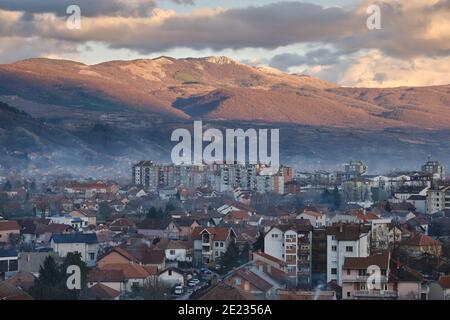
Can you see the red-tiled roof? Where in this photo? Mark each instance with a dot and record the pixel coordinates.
(420, 240)
(253, 279)
(218, 233)
(9, 225)
(100, 291)
(444, 281)
(362, 263)
(222, 291)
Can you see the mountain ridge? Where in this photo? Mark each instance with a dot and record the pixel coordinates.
(219, 88)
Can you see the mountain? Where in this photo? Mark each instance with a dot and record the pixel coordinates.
(218, 88)
(65, 116)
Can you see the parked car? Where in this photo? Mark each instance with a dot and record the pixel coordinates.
(178, 290)
(195, 281)
(191, 283)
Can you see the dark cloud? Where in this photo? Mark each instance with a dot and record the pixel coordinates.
(407, 30)
(89, 8)
(321, 56)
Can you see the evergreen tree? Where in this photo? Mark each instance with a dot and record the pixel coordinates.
(230, 258)
(337, 199)
(259, 243)
(7, 186)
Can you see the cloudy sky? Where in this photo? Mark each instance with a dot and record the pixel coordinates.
(328, 39)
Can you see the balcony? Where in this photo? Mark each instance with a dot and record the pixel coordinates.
(363, 279)
(366, 294)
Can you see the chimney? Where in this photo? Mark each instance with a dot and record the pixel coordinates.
(341, 228)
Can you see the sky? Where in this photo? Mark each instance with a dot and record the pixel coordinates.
(328, 39)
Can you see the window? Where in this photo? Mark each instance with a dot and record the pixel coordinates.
(216, 244)
(348, 272)
(349, 249)
(333, 271)
(91, 256)
(237, 281)
(348, 294)
(169, 272)
(333, 248)
(216, 253)
(172, 252)
(221, 244)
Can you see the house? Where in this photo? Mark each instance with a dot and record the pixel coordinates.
(357, 271)
(315, 217)
(11, 292)
(235, 206)
(100, 291)
(237, 217)
(122, 277)
(420, 244)
(85, 214)
(225, 292)
(249, 282)
(159, 228)
(211, 243)
(77, 223)
(408, 283)
(142, 255)
(178, 251)
(122, 225)
(117, 255)
(171, 277)
(440, 290)
(84, 243)
(8, 229)
(44, 232)
(292, 243)
(31, 262)
(343, 241)
(185, 225)
(8, 262)
(302, 295)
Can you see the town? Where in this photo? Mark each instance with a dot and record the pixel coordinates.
(227, 231)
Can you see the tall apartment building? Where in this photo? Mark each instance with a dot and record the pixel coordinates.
(355, 169)
(438, 199)
(292, 244)
(153, 176)
(345, 240)
(435, 168)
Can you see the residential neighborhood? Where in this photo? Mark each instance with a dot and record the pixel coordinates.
(345, 235)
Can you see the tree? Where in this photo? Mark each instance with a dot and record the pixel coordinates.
(259, 243)
(231, 256)
(7, 186)
(388, 207)
(337, 199)
(244, 254)
(75, 259)
(104, 209)
(156, 290)
(50, 284)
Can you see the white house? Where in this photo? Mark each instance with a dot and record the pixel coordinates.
(84, 243)
(317, 219)
(440, 290)
(179, 251)
(171, 277)
(345, 240)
